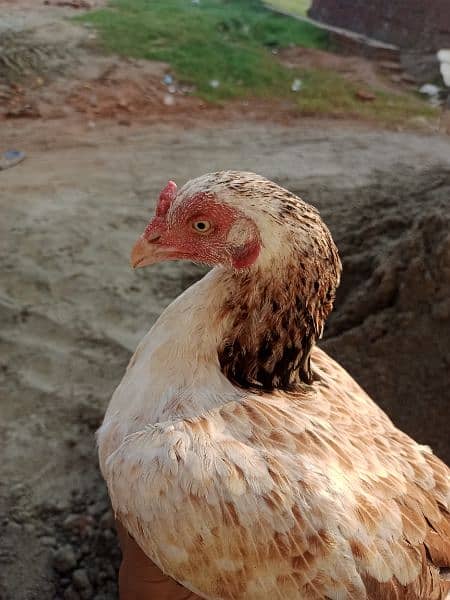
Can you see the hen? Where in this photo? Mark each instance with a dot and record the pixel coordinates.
(243, 460)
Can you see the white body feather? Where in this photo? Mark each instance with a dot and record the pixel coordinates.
(174, 372)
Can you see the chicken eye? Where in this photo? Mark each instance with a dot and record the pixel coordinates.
(201, 226)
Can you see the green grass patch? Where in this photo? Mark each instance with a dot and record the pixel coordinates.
(231, 41)
(294, 7)
(224, 40)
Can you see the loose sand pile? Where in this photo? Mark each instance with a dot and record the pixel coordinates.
(72, 311)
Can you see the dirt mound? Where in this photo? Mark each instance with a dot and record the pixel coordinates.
(391, 326)
(129, 89)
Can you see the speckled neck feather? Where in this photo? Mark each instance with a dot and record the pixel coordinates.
(277, 314)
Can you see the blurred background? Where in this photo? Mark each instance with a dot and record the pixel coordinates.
(344, 103)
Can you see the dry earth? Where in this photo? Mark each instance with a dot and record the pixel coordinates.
(72, 311)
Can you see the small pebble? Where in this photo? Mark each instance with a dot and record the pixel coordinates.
(13, 527)
(47, 540)
(296, 85)
(107, 520)
(168, 100)
(71, 594)
(64, 559)
(78, 523)
(80, 579)
(108, 535)
(97, 508)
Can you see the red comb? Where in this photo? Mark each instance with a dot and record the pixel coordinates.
(166, 197)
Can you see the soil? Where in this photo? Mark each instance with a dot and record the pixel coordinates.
(72, 310)
(387, 76)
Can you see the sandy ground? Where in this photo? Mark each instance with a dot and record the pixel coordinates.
(72, 311)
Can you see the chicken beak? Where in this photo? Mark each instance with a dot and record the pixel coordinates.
(139, 253)
(148, 252)
(143, 253)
